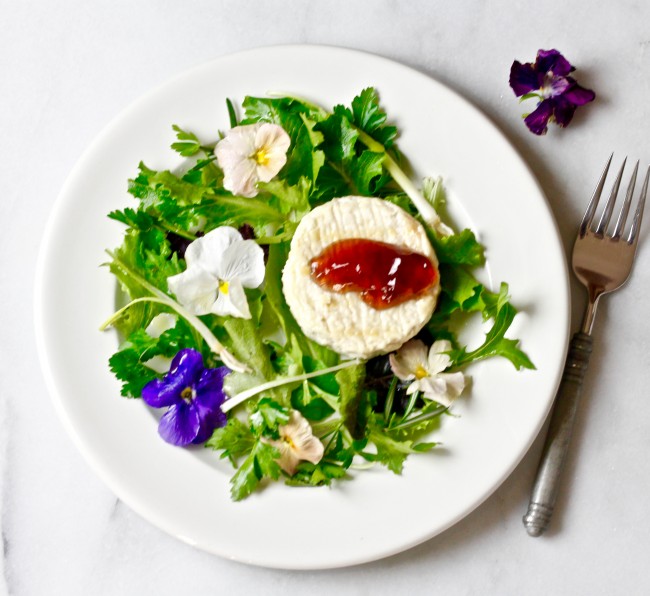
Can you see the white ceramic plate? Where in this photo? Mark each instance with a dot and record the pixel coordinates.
(186, 492)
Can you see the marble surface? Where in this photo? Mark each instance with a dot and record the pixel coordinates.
(67, 68)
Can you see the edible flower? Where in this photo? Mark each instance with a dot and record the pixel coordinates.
(250, 154)
(193, 395)
(548, 80)
(219, 266)
(297, 443)
(425, 371)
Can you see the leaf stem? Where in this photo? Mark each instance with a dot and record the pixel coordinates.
(116, 315)
(421, 418)
(248, 393)
(167, 227)
(425, 208)
(390, 396)
(213, 343)
(411, 404)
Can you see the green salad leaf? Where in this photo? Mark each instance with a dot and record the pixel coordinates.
(360, 412)
(188, 144)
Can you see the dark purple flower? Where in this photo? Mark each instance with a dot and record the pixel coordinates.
(193, 395)
(548, 80)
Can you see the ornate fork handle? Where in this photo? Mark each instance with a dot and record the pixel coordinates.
(544, 495)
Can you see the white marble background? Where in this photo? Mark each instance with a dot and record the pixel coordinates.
(68, 67)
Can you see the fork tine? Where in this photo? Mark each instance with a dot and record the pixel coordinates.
(638, 214)
(601, 228)
(591, 209)
(622, 217)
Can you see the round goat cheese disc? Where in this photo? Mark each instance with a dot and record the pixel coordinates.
(340, 320)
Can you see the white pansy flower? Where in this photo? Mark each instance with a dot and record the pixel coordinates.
(250, 154)
(297, 443)
(219, 266)
(412, 363)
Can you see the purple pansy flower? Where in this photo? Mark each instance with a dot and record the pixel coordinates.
(193, 395)
(547, 79)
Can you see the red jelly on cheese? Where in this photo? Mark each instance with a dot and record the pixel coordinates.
(385, 275)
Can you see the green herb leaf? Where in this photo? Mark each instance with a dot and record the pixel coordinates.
(152, 187)
(259, 464)
(496, 344)
(391, 452)
(234, 440)
(247, 345)
(369, 117)
(339, 137)
(188, 144)
(139, 220)
(458, 249)
(232, 114)
(320, 474)
(352, 404)
(127, 366)
(313, 408)
(245, 479)
(366, 172)
(305, 158)
(290, 199)
(267, 415)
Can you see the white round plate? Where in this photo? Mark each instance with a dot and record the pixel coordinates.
(185, 491)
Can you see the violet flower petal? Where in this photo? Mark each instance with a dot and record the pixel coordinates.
(524, 79)
(180, 424)
(158, 394)
(185, 369)
(208, 400)
(563, 112)
(555, 86)
(552, 60)
(187, 366)
(578, 95)
(537, 121)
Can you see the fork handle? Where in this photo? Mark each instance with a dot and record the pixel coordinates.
(547, 481)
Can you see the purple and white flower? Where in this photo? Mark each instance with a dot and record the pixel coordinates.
(192, 395)
(548, 80)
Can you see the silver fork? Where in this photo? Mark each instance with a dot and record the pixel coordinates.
(602, 262)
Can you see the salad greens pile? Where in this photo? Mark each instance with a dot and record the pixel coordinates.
(359, 410)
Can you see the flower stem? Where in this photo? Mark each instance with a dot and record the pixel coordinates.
(213, 343)
(244, 395)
